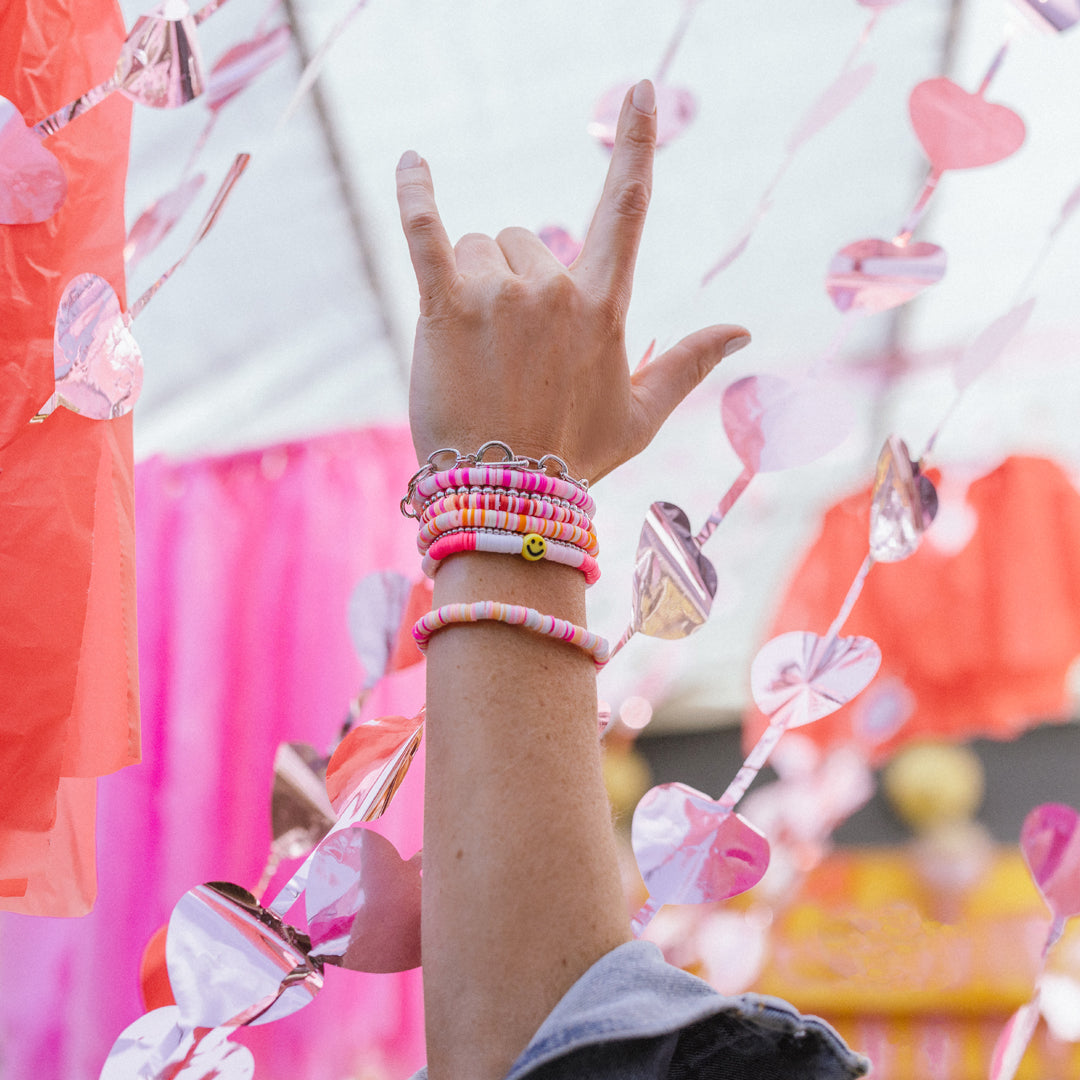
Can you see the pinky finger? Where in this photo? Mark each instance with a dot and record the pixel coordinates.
(430, 249)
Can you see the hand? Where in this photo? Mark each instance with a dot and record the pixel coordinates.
(511, 345)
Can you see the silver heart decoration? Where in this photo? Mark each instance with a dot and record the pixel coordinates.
(231, 962)
(96, 360)
(300, 812)
(809, 676)
(160, 64)
(903, 506)
(877, 275)
(674, 584)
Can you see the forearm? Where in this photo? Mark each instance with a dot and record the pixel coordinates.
(521, 884)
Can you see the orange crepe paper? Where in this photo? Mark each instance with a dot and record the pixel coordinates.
(68, 679)
(983, 638)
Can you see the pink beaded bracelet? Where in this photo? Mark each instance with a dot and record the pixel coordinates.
(531, 546)
(562, 531)
(496, 499)
(480, 476)
(515, 615)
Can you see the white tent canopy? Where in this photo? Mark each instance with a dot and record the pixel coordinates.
(295, 315)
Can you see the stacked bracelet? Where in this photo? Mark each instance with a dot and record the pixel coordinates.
(501, 521)
(515, 615)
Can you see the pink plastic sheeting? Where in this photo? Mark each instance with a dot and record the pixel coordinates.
(245, 567)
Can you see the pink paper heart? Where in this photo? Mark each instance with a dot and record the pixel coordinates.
(960, 130)
(692, 850)
(370, 763)
(243, 63)
(560, 243)
(160, 64)
(674, 584)
(32, 181)
(810, 676)
(158, 219)
(363, 903)
(676, 107)
(1050, 842)
(232, 962)
(903, 505)
(96, 360)
(774, 423)
(876, 275)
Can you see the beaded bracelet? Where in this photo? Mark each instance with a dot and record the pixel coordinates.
(562, 531)
(531, 546)
(515, 615)
(480, 476)
(495, 499)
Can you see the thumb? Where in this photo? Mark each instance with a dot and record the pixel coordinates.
(659, 386)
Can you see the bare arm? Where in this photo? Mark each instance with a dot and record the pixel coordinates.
(521, 886)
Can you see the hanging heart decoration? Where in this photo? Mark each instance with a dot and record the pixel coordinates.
(160, 64)
(159, 218)
(674, 584)
(232, 962)
(774, 423)
(96, 360)
(808, 676)
(369, 764)
(690, 849)
(1050, 843)
(876, 275)
(363, 903)
(33, 185)
(300, 812)
(961, 130)
(991, 343)
(903, 505)
(676, 108)
(382, 608)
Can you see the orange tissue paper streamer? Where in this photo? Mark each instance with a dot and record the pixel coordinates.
(68, 656)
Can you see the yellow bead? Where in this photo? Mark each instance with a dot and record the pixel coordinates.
(534, 547)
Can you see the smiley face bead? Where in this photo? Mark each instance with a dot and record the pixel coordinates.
(533, 547)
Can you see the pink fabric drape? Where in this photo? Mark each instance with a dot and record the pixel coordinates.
(245, 567)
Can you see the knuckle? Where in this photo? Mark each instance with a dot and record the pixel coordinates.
(632, 198)
(422, 219)
(560, 289)
(470, 240)
(512, 233)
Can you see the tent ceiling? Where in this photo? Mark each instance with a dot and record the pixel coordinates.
(295, 315)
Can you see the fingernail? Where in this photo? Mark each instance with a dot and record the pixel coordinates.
(736, 343)
(644, 97)
(409, 160)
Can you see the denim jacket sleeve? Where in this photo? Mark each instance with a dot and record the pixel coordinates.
(632, 1016)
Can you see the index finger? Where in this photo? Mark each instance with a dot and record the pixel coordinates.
(611, 245)
(430, 249)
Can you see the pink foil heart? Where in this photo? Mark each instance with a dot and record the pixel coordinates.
(160, 64)
(370, 763)
(232, 962)
(676, 107)
(560, 243)
(300, 813)
(691, 850)
(158, 219)
(32, 181)
(96, 360)
(876, 275)
(960, 130)
(674, 584)
(809, 677)
(363, 903)
(1050, 842)
(774, 423)
(903, 505)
